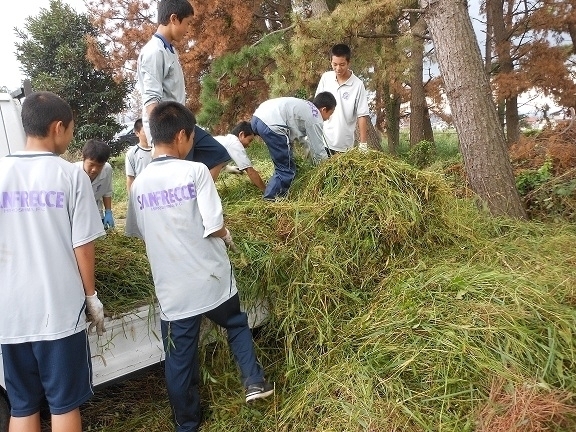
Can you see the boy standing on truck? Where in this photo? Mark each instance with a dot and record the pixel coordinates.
(175, 208)
(49, 223)
(95, 155)
(160, 78)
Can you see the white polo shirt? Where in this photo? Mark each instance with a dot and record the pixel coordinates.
(236, 150)
(351, 103)
(46, 210)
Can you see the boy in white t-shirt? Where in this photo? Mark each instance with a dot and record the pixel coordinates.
(49, 223)
(137, 157)
(175, 208)
(236, 143)
(95, 155)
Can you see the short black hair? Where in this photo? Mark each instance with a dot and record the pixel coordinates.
(325, 100)
(341, 50)
(138, 125)
(167, 119)
(41, 109)
(96, 150)
(242, 126)
(182, 9)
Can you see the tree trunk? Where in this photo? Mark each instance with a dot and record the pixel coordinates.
(428, 132)
(506, 65)
(512, 120)
(417, 95)
(482, 142)
(374, 137)
(392, 120)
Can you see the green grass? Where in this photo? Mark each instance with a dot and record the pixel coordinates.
(394, 306)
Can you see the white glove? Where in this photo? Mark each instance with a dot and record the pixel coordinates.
(228, 241)
(233, 169)
(363, 147)
(95, 314)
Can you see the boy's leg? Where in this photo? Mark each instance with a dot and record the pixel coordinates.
(25, 424)
(281, 155)
(68, 422)
(209, 151)
(182, 371)
(229, 316)
(59, 369)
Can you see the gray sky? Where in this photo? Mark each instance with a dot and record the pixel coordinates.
(10, 75)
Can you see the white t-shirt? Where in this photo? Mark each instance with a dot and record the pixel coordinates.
(236, 150)
(173, 207)
(351, 103)
(296, 118)
(46, 210)
(137, 158)
(102, 184)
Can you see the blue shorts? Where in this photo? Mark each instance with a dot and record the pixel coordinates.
(207, 150)
(59, 371)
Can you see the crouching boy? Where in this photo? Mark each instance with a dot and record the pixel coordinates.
(175, 208)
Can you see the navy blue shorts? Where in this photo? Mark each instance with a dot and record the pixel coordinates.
(207, 150)
(59, 371)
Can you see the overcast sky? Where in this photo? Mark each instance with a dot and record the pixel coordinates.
(10, 75)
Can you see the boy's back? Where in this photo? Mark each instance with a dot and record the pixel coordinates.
(174, 206)
(46, 209)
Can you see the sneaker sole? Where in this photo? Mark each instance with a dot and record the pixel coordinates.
(262, 395)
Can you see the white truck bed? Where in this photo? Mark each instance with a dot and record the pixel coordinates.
(133, 342)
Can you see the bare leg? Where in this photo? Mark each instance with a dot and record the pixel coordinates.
(25, 424)
(69, 422)
(215, 171)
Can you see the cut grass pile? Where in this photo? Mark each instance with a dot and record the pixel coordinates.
(123, 277)
(395, 307)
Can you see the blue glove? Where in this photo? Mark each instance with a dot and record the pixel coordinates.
(108, 220)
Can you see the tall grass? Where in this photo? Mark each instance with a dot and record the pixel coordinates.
(394, 306)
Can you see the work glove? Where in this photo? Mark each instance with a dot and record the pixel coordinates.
(232, 169)
(363, 147)
(108, 220)
(228, 241)
(95, 314)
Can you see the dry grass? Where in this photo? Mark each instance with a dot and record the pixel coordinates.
(528, 407)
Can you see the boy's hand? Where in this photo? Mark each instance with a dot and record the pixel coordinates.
(228, 241)
(95, 314)
(108, 220)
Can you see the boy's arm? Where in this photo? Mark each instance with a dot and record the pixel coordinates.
(85, 257)
(255, 178)
(129, 181)
(363, 129)
(317, 141)
(107, 203)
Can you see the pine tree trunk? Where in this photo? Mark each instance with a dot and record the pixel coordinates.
(482, 142)
(417, 96)
(512, 120)
(392, 120)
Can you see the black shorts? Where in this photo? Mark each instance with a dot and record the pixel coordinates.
(207, 150)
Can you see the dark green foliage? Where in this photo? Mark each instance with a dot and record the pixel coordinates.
(422, 154)
(53, 53)
(222, 104)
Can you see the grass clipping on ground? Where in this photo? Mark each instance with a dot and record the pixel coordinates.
(396, 307)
